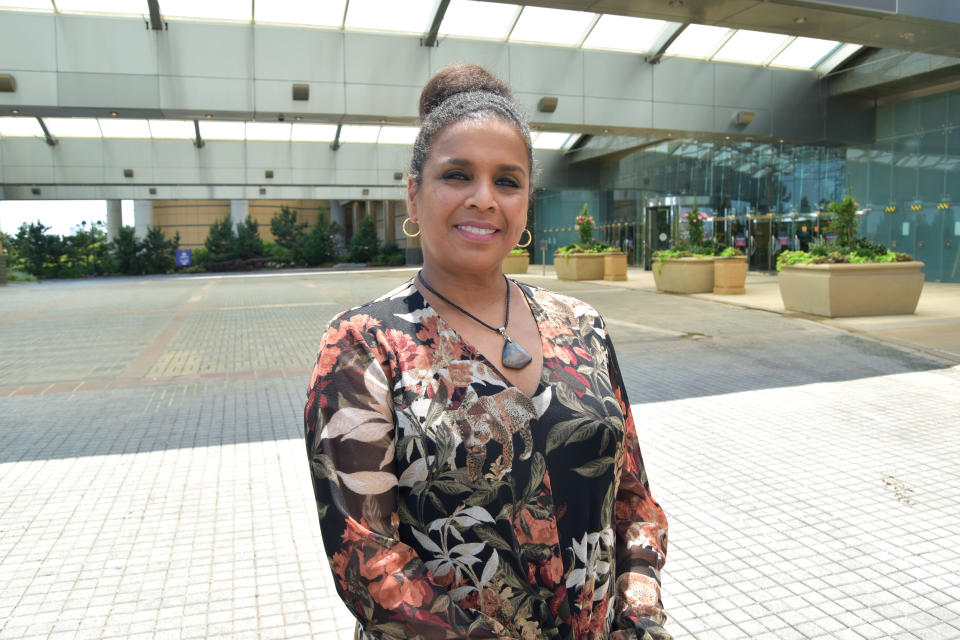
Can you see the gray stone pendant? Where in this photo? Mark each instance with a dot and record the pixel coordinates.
(514, 356)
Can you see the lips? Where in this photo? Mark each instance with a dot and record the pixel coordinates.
(477, 231)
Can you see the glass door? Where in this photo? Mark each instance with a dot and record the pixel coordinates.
(761, 243)
(657, 236)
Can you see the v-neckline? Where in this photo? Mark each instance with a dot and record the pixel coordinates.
(476, 354)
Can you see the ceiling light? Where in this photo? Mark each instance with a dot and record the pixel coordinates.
(208, 115)
(114, 114)
(799, 20)
(14, 111)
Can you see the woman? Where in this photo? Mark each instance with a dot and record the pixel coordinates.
(474, 459)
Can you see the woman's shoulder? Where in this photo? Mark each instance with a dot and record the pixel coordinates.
(381, 311)
(558, 304)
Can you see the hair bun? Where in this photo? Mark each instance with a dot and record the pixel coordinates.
(459, 78)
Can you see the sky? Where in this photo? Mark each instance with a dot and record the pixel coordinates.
(62, 216)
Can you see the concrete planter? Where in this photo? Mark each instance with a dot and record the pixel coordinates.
(3, 270)
(836, 290)
(579, 266)
(516, 263)
(615, 266)
(684, 275)
(730, 275)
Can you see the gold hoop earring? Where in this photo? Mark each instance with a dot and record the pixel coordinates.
(407, 233)
(529, 239)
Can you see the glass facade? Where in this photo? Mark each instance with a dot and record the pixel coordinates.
(765, 198)
(761, 197)
(908, 182)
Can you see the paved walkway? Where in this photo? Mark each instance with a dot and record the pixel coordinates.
(153, 482)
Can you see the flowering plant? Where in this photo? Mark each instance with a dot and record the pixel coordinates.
(695, 219)
(585, 226)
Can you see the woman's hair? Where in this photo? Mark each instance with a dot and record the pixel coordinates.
(459, 93)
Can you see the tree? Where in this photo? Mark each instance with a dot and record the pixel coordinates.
(89, 248)
(322, 243)
(220, 240)
(288, 233)
(125, 252)
(158, 253)
(38, 251)
(248, 243)
(363, 245)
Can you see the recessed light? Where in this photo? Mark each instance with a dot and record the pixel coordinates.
(14, 111)
(726, 137)
(208, 115)
(606, 130)
(299, 118)
(799, 19)
(114, 113)
(781, 140)
(907, 35)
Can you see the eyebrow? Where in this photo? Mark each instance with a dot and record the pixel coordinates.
(462, 162)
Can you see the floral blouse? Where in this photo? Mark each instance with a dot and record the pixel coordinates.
(454, 506)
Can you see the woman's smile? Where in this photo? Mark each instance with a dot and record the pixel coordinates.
(477, 231)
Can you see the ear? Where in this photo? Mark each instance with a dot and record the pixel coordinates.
(412, 190)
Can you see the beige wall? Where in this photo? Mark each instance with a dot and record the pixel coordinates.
(192, 218)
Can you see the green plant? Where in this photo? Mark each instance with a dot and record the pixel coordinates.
(670, 254)
(220, 240)
(201, 258)
(158, 255)
(363, 246)
(322, 244)
(695, 219)
(845, 221)
(124, 250)
(19, 276)
(818, 247)
(518, 251)
(390, 255)
(289, 233)
(248, 243)
(585, 225)
(730, 252)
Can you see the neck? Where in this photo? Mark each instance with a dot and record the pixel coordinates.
(471, 291)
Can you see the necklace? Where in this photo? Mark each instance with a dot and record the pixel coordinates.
(513, 356)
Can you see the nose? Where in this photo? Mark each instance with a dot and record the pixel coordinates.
(481, 196)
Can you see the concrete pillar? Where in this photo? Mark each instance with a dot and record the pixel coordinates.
(336, 212)
(239, 210)
(114, 219)
(142, 217)
(389, 226)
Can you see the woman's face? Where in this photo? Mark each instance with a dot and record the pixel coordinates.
(472, 200)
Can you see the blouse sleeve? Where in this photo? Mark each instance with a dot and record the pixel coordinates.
(641, 528)
(350, 432)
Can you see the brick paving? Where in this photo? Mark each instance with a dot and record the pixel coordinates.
(153, 482)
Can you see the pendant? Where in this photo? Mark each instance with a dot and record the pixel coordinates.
(514, 356)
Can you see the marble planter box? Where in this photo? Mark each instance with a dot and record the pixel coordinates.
(684, 275)
(836, 290)
(516, 264)
(615, 266)
(579, 266)
(730, 275)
